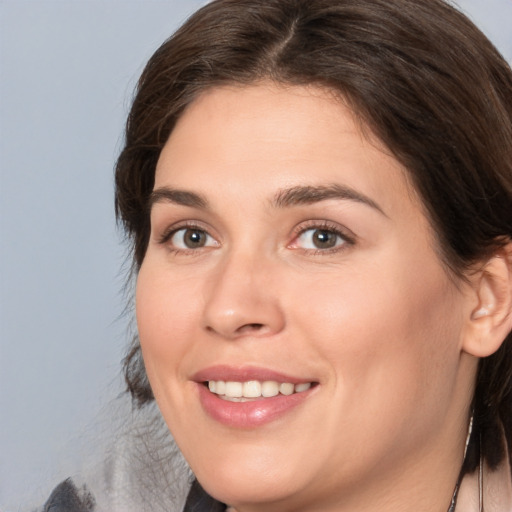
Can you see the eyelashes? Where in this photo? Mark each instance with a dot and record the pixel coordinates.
(321, 237)
(188, 236)
(311, 237)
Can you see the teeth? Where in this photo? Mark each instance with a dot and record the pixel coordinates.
(233, 389)
(237, 391)
(269, 388)
(251, 389)
(286, 388)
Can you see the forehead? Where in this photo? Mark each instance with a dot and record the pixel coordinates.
(274, 136)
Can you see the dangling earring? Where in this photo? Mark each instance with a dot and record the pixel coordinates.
(468, 437)
(481, 479)
(455, 495)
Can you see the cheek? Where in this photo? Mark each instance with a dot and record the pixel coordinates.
(166, 311)
(391, 336)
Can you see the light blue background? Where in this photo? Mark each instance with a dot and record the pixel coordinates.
(67, 71)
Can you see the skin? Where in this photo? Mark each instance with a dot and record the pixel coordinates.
(376, 320)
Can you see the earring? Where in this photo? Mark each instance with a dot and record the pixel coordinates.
(481, 480)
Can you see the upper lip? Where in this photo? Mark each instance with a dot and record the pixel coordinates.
(244, 374)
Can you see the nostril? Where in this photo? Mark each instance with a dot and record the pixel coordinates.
(243, 329)
(250, 328)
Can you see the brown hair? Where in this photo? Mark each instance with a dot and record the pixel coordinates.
(425, 80)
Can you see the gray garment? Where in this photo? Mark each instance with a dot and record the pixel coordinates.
(66, 497)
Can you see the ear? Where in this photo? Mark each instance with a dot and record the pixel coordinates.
(490, 319)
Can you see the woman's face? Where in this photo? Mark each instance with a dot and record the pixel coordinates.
(288, 249)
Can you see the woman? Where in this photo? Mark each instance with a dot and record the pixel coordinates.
(319, 198)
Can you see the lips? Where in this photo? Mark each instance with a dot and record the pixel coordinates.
(249, 397)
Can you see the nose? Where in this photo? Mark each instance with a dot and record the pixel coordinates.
(241, 299)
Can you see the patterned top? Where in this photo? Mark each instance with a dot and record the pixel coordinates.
(495, 495)
(66, 497)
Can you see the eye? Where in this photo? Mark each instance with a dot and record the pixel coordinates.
(191, 238)
(320, 238)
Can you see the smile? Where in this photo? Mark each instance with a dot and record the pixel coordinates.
(253, 389)
(250, 398)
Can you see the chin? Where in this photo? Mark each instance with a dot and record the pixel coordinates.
(237, 489)
(251, 475)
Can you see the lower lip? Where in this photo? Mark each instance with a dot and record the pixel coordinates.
(246, 415)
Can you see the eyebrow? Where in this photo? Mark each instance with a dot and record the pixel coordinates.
(179, 197)
(285, 198)
(313, 194)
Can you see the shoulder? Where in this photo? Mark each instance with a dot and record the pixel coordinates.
(66, 497)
